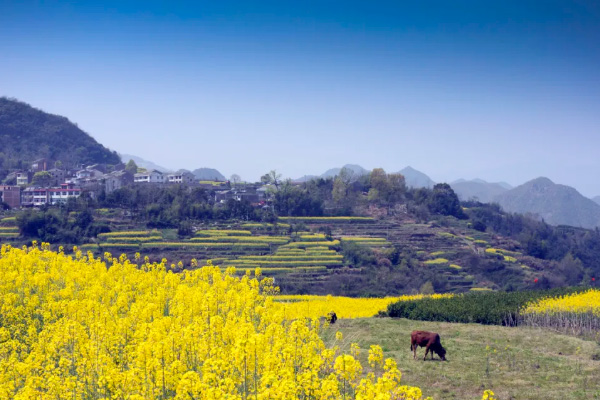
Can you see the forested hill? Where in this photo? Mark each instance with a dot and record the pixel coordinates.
(27, 134)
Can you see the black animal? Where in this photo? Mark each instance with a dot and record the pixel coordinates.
(331, 317)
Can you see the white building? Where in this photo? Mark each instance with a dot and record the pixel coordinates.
(62, 194)
(34, 196)
(22, 178)
(88, 173)
(185, 177)
(153, 176)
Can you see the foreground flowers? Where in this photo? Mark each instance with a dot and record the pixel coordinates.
(82, 328)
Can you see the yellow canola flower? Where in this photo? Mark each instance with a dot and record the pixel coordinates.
(578, 303)
(375, 356)
(76, 327)
(311, 306)
(488, 395)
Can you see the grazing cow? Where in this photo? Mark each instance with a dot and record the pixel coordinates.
(331, 317)
(429, 340)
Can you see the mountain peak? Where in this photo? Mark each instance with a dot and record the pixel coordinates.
(542, 180)
(415, 178)
(556, 204)
(356, 169)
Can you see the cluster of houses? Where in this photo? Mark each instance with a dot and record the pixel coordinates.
(60, 184)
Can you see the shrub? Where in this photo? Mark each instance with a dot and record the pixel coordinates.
(493, 308)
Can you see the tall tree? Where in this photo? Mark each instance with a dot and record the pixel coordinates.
(131, 167)
(272, 177)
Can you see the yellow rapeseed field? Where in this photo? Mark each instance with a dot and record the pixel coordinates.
(577, 313)
(79, 327)
(309, 306)
(584, 302)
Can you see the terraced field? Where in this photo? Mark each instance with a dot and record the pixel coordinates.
(8, 228)
(306, 251)
(302, 256)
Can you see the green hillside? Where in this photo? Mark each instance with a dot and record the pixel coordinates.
(27, 134)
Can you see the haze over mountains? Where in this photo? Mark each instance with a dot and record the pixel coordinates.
(27, 133)
(142, 163)
(203, 174)
(556, 204)
(477, 189)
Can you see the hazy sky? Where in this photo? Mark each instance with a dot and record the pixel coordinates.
(506, 90)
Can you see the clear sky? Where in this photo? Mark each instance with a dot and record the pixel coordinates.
(505, 90)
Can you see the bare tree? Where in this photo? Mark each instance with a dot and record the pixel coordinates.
(235, 179)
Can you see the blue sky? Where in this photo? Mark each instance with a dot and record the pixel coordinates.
(504, 91)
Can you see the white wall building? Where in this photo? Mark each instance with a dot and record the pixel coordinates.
(185, 177)
(153, 176)
(61, 195)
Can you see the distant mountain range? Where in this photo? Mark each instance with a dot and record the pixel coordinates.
(140, 162)
(556, 204)
(28, 134)
(478, 189)
(208, 174)
(203, 174)
(357, 170)
(416, 179)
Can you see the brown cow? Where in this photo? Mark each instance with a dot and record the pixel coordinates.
(429, 340)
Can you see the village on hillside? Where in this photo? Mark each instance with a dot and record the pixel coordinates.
(45, 183)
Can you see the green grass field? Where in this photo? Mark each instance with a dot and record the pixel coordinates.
(526, 364)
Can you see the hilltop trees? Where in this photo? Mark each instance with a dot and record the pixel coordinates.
(271, 178)
(291, 200)
(343, 193)
(386, 189)
(444, 201)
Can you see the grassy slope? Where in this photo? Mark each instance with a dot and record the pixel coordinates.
(536, 365)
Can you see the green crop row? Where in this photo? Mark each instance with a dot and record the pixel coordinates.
(446, 235)
(281, 270)
(223, 232)
(362, 239)
(263, 226)
(116, 246)
(312, 244)
(9, 229)
(244, 239)
(134, 239)
(317, 237)
(284, 263)
(205, 244)
(9, 234)
(293, 258)
(493, 308)
(122, 234)
(437, 261)
(327, 219)
(372, 244)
